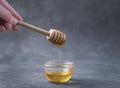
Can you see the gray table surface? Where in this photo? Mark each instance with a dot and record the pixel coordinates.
(93, 43)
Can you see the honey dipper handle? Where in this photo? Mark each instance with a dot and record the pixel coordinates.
(34, 28)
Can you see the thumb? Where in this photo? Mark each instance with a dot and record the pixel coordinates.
(7, 16)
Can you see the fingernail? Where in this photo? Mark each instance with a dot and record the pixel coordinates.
(13, 21)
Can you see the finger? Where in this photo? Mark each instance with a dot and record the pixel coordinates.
(2, 28)
(8, 26)
(15, 28)
(10, 8)
(1, 21)
(7, 16)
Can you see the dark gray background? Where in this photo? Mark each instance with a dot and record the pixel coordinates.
(93, 43)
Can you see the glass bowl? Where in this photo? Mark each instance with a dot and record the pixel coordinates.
(58, 71)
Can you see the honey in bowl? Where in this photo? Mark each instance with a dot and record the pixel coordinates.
(58, 71)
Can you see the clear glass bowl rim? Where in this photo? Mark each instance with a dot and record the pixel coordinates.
(59, 63)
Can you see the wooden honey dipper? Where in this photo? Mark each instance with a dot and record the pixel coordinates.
(56, 37)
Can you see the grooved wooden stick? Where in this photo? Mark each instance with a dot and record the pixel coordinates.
(54, 36)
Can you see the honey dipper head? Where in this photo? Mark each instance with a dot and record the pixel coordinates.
(56, 37)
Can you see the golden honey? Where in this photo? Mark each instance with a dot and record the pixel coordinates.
(58, 71)
(60, 76)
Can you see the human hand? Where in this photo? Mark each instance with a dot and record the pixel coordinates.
(8, 17)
